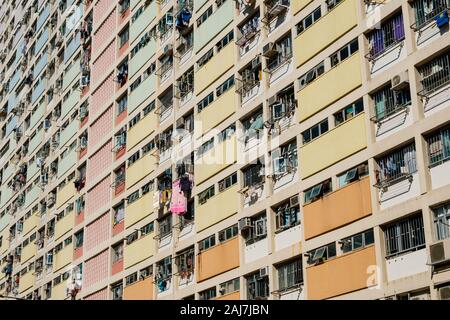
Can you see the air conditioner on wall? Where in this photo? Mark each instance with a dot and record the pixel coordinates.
(245, 223)
(264, 272)
(400, 81)
(440, 252)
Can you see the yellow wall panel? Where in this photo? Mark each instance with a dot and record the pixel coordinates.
(141, 290)
(28, 252)
(298, 5)
(215, 160)
(63, 257)
(139, 250)
(214, 68)
(26, 281)
(335, 145)
(325, 31)
(140, 169)
(64, 225)
(217, 208)
(65, 194)
(30, 224)
(139, 209)
(142, 129)
(59, 292)
(218, 111)
(329, 87)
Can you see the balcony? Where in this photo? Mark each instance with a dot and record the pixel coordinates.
(330, 87)
(64, 225)
(139, 209)
(207, 261)
(142, 129)
(65, 193)
(215, 160)
(141, 93)
(217, 112)
(139, 250)
(217, 208)
(338, 208)
(143, 21)
(343, 274)
(214, 68)
(141, 58)
(63, 258)
(325, 31)
(217, 22)
(141, 290)
(333, 146)
(26, 281)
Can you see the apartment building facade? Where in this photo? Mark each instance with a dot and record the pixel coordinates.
(226, 149)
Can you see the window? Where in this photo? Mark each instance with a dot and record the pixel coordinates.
(226, 40)
(391, 32)
(228, 233)
(117, 253)
(208, 145)
(319, 190)
(426, 10)
(123, 37)
(226, 133)
(225, 86)
(117, 292)
(132, 278)
(229, 287)
(205, 15)
(205, 102)
(119, 214)
(79, 239)
(309, 20)
(404, 236)
(354, 174)
(441, 218)
(208, 294)
(147, 229)
(227, 182)
(146, 272)
(388, 101)
(164, 268)
(322, 254)
(207, 243)
(254, 175)
(132, 237)
(344, 53)
(290, 275)
(439, 147)
(285, 158)
(134, 121)
(315, 131)
(165, 226)
(286, 216)
(135, 157)
(257, 287)
(122, 104)
(283, 54)
(357, 241)
(348, 112)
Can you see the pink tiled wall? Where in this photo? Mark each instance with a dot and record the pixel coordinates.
(97, 232)
(96, 269)
(98, 196)
(99, 295)
(103, 63)
(102, 95)
(104, 31)
(101, 160)
(101, 128)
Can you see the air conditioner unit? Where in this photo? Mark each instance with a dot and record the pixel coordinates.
(49, 259)
(293, 201)
(440, 252)
(245, 223)
(400, 81)
(269, 50)
(264, 272)
(444, 293)
(278, 165)
(180, 123)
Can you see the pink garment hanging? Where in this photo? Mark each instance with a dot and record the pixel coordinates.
(178, 204)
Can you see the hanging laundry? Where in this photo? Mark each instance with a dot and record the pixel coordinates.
(178, 203)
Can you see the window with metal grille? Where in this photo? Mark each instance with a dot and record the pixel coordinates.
(388, 35)
(286, 216)
(208, 294)
(396, 165)
(435, 74)
(439, 147)
(257, 287)
(388, 102)
(441, 219)
(290, 274)
(253, 175)
(404, 236)
(426, 10)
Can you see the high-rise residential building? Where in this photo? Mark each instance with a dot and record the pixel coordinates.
(225, 149)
